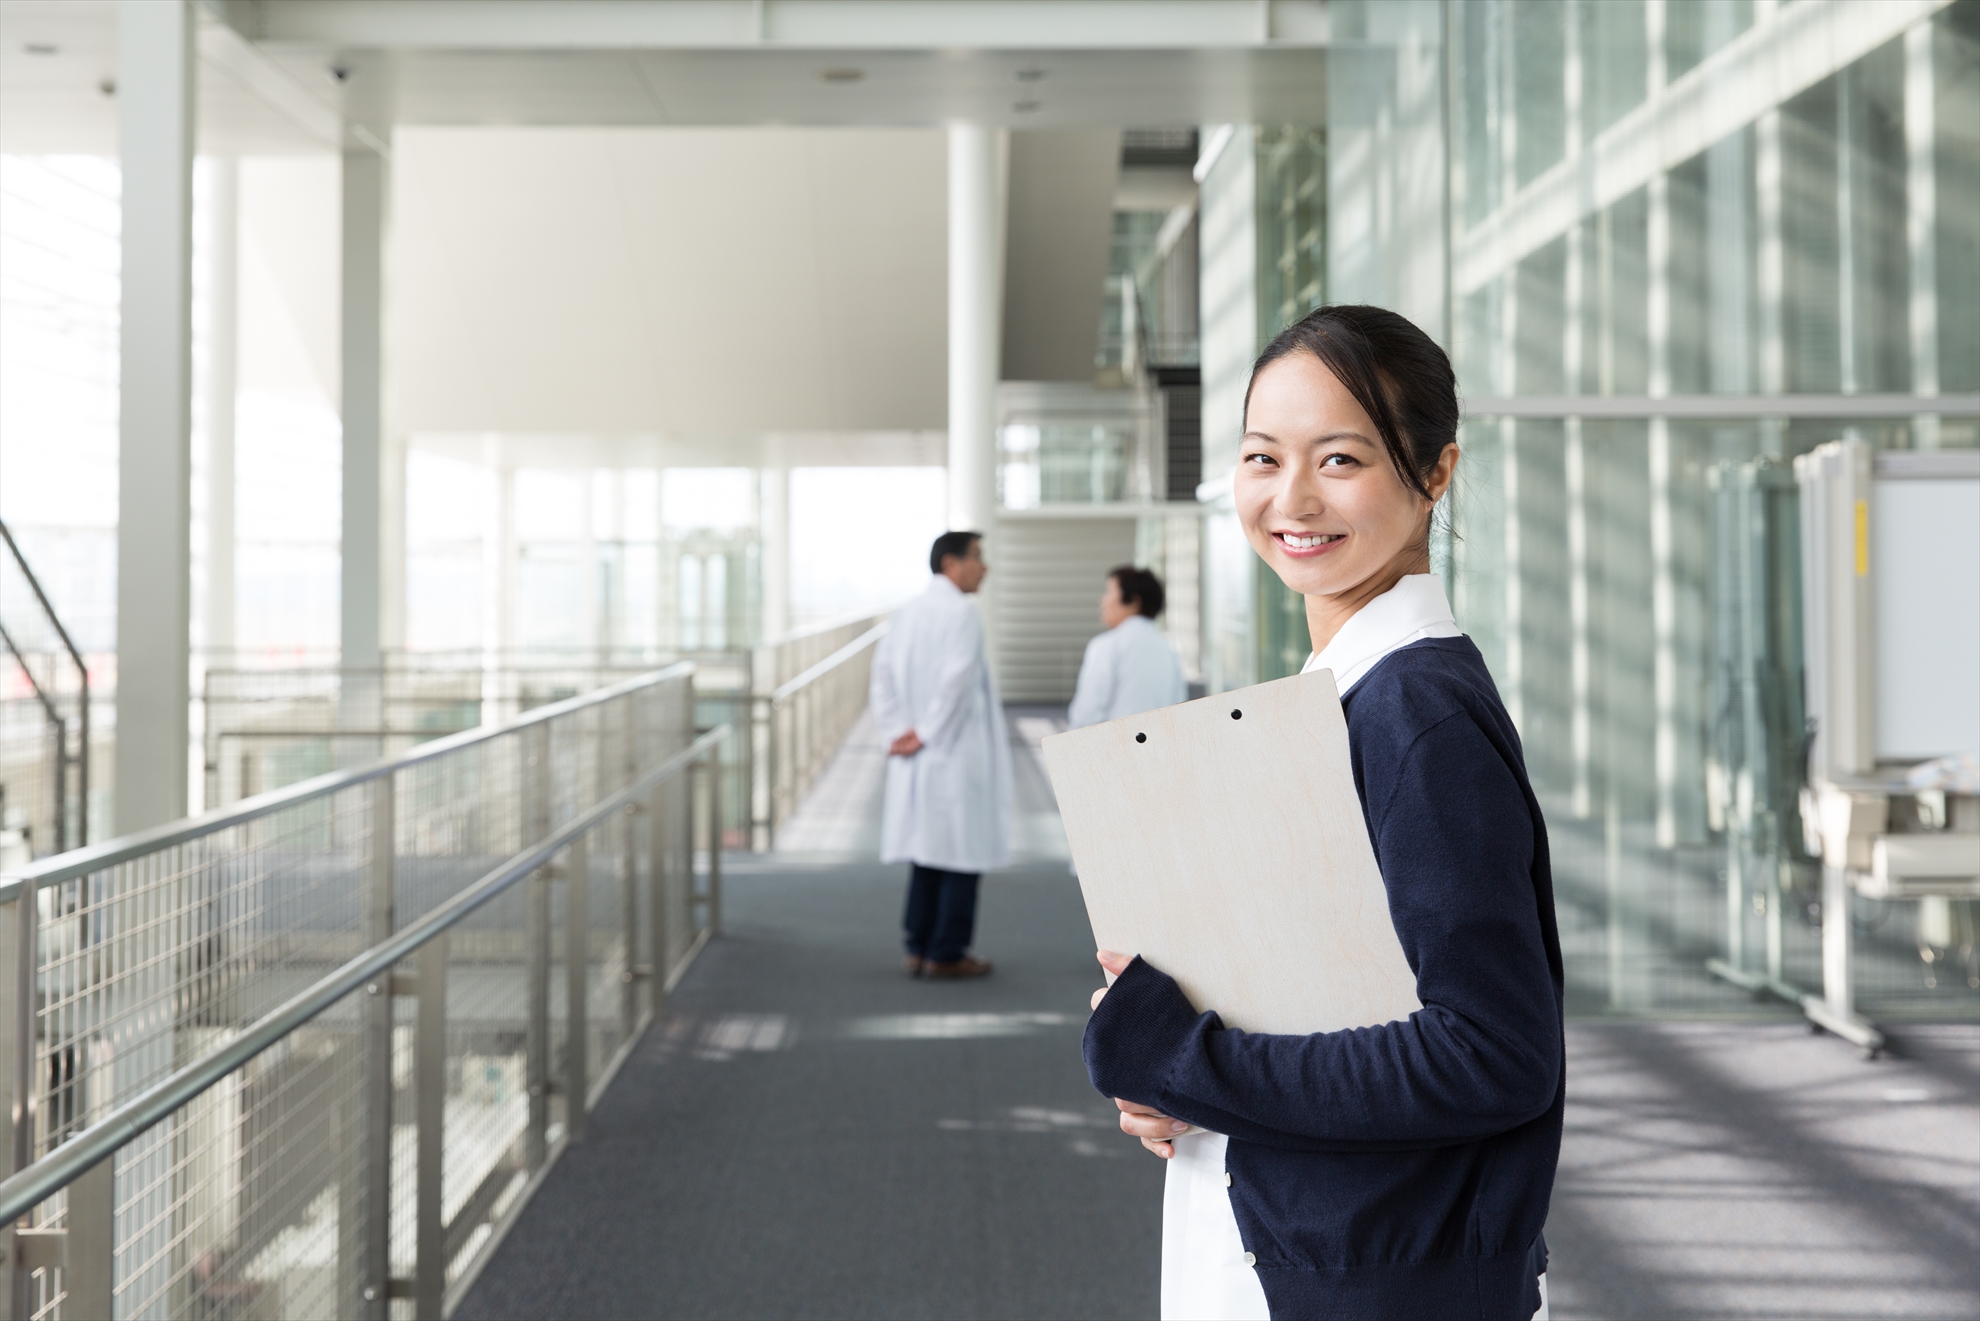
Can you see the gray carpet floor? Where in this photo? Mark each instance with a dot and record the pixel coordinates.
(808, 1133)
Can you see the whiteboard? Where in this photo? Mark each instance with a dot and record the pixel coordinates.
(1925, 561)
(1223, 841)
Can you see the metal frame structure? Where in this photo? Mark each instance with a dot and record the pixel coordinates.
(456, 878)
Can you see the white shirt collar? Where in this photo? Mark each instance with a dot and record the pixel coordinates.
(1415, 608)
(938, 581)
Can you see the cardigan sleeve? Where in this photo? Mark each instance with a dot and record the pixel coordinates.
(1456, 841)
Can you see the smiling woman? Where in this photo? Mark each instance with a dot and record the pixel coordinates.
(1402, 1170)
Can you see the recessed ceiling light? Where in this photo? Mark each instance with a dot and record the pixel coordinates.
(1024, 107)
(40, 48)
(842, 75)
(1031, 75)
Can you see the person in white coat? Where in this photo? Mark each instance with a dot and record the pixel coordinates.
(1131, 667)
(947, 810)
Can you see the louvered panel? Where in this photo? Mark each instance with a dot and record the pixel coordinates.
(1047, 599)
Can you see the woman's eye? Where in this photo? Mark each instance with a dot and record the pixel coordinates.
(1338, 460)
(1258, 459)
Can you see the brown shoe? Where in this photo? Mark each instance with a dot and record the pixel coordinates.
(966, 966)
(913, 965)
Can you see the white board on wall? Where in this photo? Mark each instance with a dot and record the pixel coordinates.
(1222, 840)
(1925, 563)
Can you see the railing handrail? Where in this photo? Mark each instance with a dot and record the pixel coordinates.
(35, 584)
(783, 692)
(28, 1188)
(83, 861)
(822, 626)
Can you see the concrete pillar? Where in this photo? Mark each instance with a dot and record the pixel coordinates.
(975, 323)
(774, 530)
(976, 331)
(222, 356)
(155, 99)
(367, 178)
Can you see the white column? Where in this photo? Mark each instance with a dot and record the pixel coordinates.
(222, 358)
(976, 306)
(1921, 205)
(774, 528)
(366, 181)
(155, 97)
(975, 323)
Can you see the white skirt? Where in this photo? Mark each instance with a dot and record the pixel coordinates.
(1204, 1274)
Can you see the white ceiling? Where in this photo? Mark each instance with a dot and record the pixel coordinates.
(1177, 63)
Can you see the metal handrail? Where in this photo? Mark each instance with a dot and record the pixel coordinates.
(30, 1187)
(784, 692)
(82, 678)
(81, 862)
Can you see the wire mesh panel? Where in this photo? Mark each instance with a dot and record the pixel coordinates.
(242, 1203)
(364, 1162)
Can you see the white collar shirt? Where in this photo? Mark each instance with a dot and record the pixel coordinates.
(1414, 609)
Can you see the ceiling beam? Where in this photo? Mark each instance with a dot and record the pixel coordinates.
(778, 24)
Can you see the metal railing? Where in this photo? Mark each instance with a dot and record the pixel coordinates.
(792, 709)
(56, 783)
(310, 1055)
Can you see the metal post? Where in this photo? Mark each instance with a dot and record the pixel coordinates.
(714, 839)
(430, 1105)
(577, 940)
(535, 823)
(89, 1264)
(656, 877)
(536, 956)
(368, 1238)
(16, 1039)
(629, 923)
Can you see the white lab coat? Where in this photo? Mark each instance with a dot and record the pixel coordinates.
(1128, 669)
(949, 805)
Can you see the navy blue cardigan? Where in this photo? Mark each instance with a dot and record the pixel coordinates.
(1400, 1171)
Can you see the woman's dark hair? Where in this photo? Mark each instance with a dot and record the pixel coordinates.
(1396, 373)
(1139, 588)
(951, 543)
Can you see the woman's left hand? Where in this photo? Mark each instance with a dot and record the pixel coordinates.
(1138, 1121)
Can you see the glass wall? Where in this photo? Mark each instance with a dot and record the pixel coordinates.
(1628, 565)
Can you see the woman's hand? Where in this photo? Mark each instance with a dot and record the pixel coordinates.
(1115, 964)
(1138, 1121)
(1152, 1126)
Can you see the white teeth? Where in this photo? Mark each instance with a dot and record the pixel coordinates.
(1306, 543)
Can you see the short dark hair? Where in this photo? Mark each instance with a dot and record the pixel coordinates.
(1398, 374)
(951, 543)
(1139, 588)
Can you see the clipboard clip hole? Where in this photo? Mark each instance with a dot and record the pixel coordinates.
(1141, 738)
(1237, 715)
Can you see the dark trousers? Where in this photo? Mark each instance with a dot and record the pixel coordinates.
(941, 913)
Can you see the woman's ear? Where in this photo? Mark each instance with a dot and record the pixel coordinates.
(1439, 477)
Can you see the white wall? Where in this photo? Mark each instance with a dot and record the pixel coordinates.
(701, 282)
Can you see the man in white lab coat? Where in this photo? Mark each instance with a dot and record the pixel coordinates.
(948, 804)
(1131, 667)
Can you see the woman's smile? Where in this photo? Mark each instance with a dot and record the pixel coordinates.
(1306, 545)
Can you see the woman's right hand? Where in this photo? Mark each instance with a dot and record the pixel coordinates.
(1154, 1128)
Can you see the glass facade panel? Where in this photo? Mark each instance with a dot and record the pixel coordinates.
(1633, 580)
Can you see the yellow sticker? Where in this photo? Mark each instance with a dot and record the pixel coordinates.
(1862, 538)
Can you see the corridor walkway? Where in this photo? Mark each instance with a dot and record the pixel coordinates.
(808, 1133)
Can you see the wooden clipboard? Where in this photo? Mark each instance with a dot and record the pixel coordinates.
(1222, 840)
